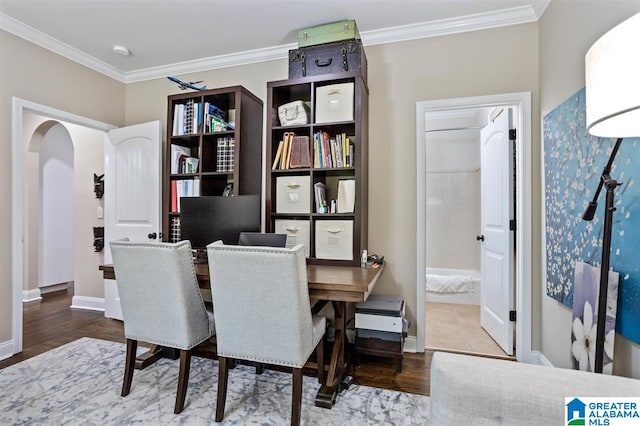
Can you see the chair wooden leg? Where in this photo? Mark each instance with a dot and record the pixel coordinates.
(223, 374)
(296, 396)
(259, 368)
(320, 359)
(183, 380)
(129, 364)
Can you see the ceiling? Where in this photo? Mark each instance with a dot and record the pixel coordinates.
(167, 37)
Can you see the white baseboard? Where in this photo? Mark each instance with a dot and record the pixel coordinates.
(410, 344)
(31, 295)
(6, 349)
(88, 303)
(54, 287)
(539, 359)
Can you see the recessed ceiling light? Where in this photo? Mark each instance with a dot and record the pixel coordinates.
(120, 50)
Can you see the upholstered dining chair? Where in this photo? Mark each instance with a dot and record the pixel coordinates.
(161, 303)
(262, 312)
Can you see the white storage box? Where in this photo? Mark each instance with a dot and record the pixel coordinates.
(297, 232)
(334, 103)
(293, 194)
(334, 239)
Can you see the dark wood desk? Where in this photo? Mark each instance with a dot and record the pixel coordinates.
(337, 285)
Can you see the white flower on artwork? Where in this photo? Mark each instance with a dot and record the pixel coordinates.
(584, 347)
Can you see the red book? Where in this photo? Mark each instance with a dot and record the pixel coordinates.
(174, 196)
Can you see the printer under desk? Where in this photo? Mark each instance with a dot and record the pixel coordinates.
(381, 328)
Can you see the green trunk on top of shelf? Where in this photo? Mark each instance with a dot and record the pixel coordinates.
(328, 33)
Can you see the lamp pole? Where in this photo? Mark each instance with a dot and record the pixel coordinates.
(610, 185)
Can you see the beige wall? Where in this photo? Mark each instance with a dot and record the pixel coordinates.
(502, 60)
(35, 74)
(88, 147)
(567, 30)
(400, 74)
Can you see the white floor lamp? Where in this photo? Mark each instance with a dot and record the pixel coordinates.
(612, 75)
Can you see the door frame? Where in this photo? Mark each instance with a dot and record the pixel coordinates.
(521, 102)
(18, 107)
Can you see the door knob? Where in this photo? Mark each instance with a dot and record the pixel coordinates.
(152, 236)
(479, 237)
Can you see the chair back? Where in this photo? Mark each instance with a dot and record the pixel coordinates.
(159, 294)
(261, 303)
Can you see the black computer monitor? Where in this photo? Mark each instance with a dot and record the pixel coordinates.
(206, 219)
(262, 239)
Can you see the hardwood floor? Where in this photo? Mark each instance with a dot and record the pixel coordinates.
(51, 323)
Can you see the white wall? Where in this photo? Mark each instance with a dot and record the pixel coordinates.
(55, 242)
(453, 199)
(88, 158)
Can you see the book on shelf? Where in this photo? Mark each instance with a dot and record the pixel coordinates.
(187, 118)
(174, 196)
(305, 154)
(215, 119)
(320, 192)
(276, 160)
(289, 136)
(283, 156)
(178, 152)
(183, 188)
(191, 165)
(332, 151)
(286, 151)
(225, 154)
(300, 152)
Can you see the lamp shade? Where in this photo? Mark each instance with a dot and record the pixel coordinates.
(612, 76)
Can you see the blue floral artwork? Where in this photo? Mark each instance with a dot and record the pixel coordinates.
(573, 163)
(585, 318)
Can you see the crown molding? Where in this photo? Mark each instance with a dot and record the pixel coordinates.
(540, 6)
(481, 21)
(41, 39)
(212, 63)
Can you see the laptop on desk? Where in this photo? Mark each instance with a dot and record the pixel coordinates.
(262, 239)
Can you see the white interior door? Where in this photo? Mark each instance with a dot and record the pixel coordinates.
(133, 193)
(497, 294)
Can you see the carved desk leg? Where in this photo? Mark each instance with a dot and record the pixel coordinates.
(327, 393)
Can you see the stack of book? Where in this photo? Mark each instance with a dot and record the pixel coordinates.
(225, 155)
(320, 192)
(215, 119)
(183, 188)
(182, 161)
(331, 152)
(187, 118)
(293, 152)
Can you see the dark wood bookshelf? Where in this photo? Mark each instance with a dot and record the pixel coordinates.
(285, 91)
(203, 143)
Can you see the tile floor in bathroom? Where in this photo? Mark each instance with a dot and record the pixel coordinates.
(456, 328)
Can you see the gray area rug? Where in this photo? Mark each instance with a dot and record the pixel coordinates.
(79, 384)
